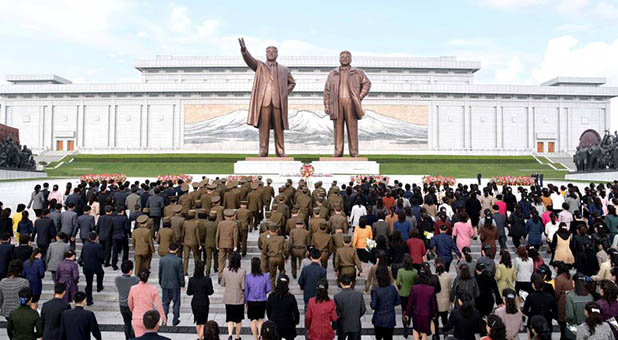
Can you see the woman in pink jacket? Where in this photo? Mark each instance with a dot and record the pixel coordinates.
(142, 298)
(463, 231)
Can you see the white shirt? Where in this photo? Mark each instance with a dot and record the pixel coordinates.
(356, 213)
(550, 230)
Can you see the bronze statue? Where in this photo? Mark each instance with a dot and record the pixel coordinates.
(345, 88)
(268, 107)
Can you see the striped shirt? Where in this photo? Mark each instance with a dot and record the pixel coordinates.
(9, 288)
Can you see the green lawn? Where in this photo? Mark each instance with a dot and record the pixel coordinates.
(159, 164)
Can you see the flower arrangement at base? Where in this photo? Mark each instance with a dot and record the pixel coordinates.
(441, 180)
(174, 178)
(307, 170)
(103, 177)
(513, 180)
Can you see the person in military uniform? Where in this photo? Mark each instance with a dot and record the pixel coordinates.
(254, 203)
(338, 220)
(300, 238)
(281, 198)
(277, 252)
(324, 211)
(323, 242)
(264, 225)
(276, 217)
(290, 224)
(338, 241)
(304, 202)
(289, 192)
(226, 238)
(168, 211)
(268, 193)
(190, 240)
(185, 200)
(195, 195)
(334, 199)
(178, 223)
(217, 207)
(316, 221)
(245, 187)
(244, 216)
(317, 189)
(347, 261)
(231, 199)
(210, 244)
(142, 244)
(332, 189)
(149, 222)
(207, 197)
(165, 237)
(261, 243)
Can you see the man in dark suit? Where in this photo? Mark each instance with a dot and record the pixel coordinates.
(121, 229)
(171, 279)
(92, 257)
(51, 313)
(6, 254)
(85, 225)
(45, 229)
(151, 323)
(104, 229)
(76, 200)
(350, 308)
(78, 323)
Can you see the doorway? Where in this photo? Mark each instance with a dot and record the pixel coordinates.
(540, 147)
(60, 145)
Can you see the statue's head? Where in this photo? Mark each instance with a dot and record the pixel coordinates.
(345, 58)
(271, 53)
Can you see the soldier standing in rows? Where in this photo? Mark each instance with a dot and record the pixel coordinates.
(178, 226)
(244, 216)
(268, 193)
(227, 238)
(347, 261)
(316, 221)
(254, 203)
(210, 245)
(142, 244)
(165, 236)
(300, 238)
(190, 240)
(323, 242)
(277, 252)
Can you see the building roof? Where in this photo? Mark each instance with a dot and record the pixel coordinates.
(36, 78)
(313, 62)
(575, 81)
(222, 87)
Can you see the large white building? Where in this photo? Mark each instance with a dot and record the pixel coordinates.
(199, 104)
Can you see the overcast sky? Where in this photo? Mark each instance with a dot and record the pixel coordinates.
(517, 41)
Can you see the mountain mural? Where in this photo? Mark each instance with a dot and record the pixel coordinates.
(306, 127)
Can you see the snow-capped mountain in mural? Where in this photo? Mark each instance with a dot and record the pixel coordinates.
(306, 127)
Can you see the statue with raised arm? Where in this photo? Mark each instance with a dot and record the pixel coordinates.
(268, 107)
(345, 88)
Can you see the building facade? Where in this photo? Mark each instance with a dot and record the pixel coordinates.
(199, 104)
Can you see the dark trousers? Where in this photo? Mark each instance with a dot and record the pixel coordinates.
(349, 336)
(117, 246)
(107, 250)
(127, 316)
(89, 277)
(502, 242)
(383, 333)
(43, 248)
(157, 222)
(171, 294)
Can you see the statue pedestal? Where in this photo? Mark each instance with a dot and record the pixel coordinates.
(282, 166)
(594, 176)
(346, 166)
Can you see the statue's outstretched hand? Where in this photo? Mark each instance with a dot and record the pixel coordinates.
(243, 47)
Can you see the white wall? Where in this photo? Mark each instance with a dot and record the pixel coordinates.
(515, 122)
(483, 122)
(450, 127)
(96, 126)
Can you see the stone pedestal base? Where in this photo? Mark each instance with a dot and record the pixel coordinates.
(346, 166)
(282, 166)
(597, 176)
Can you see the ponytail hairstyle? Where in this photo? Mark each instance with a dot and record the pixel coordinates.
(321, 292)
(36, 252)
(143, 275)
(538, 323)
(282, 286)
(594, 317)
(510, 300)
(269, 331)
(440, 266)
(467, 305)
(497, 329)
(562, 268)
(467, 254)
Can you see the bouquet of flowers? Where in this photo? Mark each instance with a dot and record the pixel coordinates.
(174, 178)
(103, 177)
(307, 170)
(513, 180)
(441, 180)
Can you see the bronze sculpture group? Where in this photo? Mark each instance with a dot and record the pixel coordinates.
(597, 155)
(15, 156)
(345, 88)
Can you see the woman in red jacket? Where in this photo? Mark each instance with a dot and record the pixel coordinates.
(321, 312)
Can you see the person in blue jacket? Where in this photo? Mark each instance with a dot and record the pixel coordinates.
(443, 245)
(534, 230)
(34, 271)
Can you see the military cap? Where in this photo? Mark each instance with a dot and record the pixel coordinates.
(201, 211)
(336, 189)
(272, 227)
(300, 222)
(141, 219)
(146, 210)
(244, 202)
(305, 190)
(320, 199)
(281, 189)
(191, 213)
(318, 183)
(267, 213)
(212, 213)
(334, 183)
(268, 180)
(295, 210)
(347, 238)
(166, 219)
(204, 182)
(215, 199)
(211, 186)
(184, 187)
(282, 198)
(275, 206)
(255, 185)
(195, 185)
(289, 181)
(177, 208)
(229, 212)
(316, 210)
(259, 177)
(223, 180)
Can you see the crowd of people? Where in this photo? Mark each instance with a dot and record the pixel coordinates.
(411, 245)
